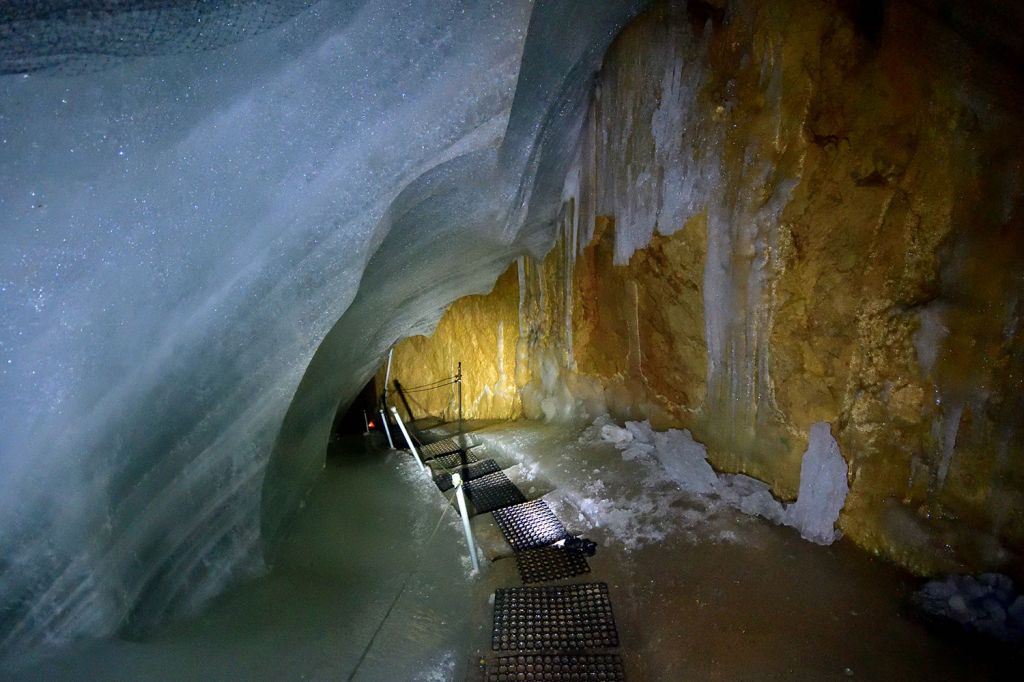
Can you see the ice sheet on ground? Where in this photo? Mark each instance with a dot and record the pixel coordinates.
(609, 495)
(823, 485)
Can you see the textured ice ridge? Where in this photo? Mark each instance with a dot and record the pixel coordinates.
(207, 252)
(823, 473)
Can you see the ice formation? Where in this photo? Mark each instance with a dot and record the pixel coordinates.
(209, 250)
(987, 604)
(685, 460)
(823, 488)
(823, 472)
(654, 159)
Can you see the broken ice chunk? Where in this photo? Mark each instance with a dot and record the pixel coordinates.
(617, 436)
(685, 461)
(642, 431)
(750, 496)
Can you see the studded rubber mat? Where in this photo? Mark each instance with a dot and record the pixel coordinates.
(553, 618)
(556, 668)
(493, 491)
(550, 563)
(441, 447)
(469, 472)
(529, 525)
(453, 460)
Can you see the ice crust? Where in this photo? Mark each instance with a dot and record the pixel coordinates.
(207, 253)
(823, 472)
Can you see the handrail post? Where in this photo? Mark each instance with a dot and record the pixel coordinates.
(384, 422)
(387, 374)
(457, 482)
(412, 446)
(459, 379)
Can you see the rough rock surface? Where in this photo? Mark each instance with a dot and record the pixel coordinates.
(782, 216)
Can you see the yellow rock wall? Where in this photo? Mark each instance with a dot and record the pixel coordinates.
(480, 332)
(782, 216)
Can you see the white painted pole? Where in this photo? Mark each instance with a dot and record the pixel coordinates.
(457, 482)
(387, 374)
(384, 423)
(401, 425)
(366, 423)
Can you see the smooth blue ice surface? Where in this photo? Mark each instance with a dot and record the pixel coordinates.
(207, 253)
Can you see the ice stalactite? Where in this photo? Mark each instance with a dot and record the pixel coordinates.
(655, 161)
(773, 228)
(741, 258)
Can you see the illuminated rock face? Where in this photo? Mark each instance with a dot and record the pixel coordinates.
(480, 332)
(783, 215)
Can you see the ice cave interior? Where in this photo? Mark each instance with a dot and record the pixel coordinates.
(511, 339)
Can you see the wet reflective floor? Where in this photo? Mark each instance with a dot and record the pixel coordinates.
(733, 597)
(372, 583)
(359, 591)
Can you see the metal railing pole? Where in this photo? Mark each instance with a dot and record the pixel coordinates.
(457, 482)
(412, 446)
(384, 423)
(387, 374)
(459, 379)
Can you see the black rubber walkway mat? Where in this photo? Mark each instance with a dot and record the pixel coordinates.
(468, 473)
(529, 525)
(556, 668)
(493, 491)
(454, 460)
(553, 618)
(550, 563)
(441, 447)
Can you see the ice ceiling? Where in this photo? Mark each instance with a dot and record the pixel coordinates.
(217, 217)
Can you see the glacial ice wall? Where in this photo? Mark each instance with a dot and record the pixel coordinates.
(185, 231)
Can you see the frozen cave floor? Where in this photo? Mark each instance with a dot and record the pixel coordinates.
(699, 591)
